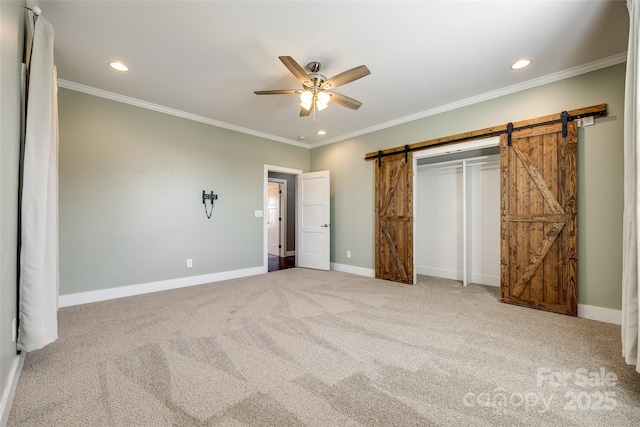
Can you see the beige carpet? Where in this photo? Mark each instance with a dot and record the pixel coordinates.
(304, 347)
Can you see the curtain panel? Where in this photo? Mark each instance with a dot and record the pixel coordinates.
(38, 284)
(631, 214)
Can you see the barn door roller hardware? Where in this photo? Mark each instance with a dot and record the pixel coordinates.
(565, 118)
(407, 150)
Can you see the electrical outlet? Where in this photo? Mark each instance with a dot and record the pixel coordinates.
(13, 329)
(348, 254)
(189, 263)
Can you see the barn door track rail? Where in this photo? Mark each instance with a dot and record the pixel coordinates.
(595, 111)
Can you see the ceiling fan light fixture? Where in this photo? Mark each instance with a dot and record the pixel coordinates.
(306, 98)
(322, 100)
(306, 106)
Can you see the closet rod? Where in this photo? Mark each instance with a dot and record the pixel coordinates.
(449, 164)
(593, 111)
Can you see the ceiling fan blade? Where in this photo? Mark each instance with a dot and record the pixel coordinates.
(346, 77)
(345, 101)
(304, 112)
(277, 92)
(295, 68)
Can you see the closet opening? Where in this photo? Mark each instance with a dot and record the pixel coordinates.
(457, 212)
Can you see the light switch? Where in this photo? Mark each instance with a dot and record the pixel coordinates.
(259, 214)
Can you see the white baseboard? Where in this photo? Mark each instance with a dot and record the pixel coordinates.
(601, 314)
(438, 272)
(145, 288)
(446, 274)
(457, 275)
(361, 271)
(485, 280)
(10, 392)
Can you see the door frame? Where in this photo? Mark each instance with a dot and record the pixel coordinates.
(440, 151)
(265, 195)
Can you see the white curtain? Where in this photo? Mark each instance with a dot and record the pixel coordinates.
(631, 216)
(38, 285)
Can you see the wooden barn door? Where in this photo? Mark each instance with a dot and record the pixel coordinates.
(394, 218)
(539, 218)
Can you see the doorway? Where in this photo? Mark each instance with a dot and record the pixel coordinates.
(280, 218)
(280, 215)
(308, 205)
(276, 217)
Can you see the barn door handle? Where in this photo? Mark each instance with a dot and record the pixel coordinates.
(324, 225)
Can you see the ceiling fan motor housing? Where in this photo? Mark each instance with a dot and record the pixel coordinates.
(316, 79)
(313, 66)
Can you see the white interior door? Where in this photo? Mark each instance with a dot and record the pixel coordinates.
(314, 239)
(273, 218)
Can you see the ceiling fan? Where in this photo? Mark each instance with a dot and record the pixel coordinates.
(316, 88)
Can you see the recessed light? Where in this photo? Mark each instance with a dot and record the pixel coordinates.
(322, 132)
(118, 66)
(520, 64)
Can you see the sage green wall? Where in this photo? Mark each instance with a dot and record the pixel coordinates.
(600, 174)
(131, 184)
(11, 39)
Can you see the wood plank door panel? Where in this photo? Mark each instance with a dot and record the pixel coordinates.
(539, 218)
(394, 218)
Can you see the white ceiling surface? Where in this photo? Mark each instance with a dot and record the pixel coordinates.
(204, 59)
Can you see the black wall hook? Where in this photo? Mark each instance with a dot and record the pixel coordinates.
(206, 197)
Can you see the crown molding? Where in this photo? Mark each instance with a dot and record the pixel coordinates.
(171, 111)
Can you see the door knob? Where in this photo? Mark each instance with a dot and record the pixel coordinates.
(324, 225)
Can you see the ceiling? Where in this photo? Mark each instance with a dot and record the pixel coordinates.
(204, 59)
